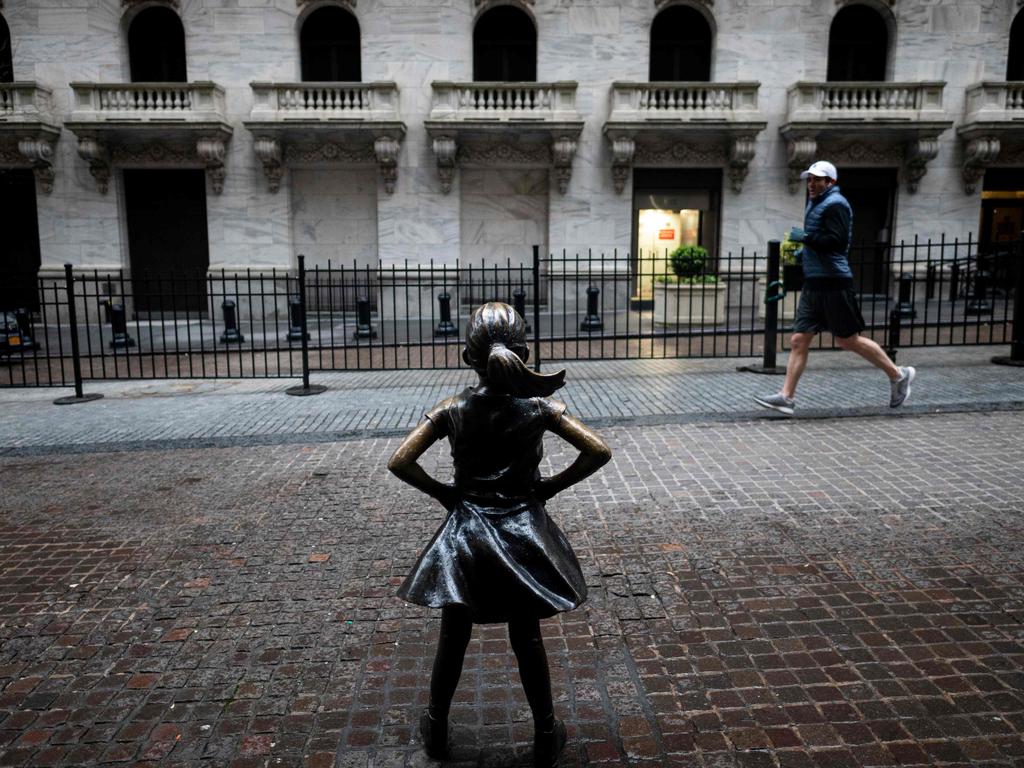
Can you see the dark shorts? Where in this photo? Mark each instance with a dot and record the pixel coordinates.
(828, 309)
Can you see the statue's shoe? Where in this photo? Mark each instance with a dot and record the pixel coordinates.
(548, 746)
(434, 732)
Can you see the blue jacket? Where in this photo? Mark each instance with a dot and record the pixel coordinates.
(828, 228)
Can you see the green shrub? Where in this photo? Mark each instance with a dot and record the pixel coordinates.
(688, 280)
(688, 260)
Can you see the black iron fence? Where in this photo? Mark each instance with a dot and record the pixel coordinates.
(579, 307)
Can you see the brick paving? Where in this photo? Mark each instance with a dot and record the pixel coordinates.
(812, 592)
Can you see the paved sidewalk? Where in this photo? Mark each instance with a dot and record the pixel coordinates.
(176, 413)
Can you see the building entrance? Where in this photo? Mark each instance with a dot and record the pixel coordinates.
(167, 239)
(872, 195)
(19, 264)
(1002, 221)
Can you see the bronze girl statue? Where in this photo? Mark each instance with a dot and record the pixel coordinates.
(497, 557)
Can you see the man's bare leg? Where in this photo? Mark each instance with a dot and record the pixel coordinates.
(799, 346)
(870, 351)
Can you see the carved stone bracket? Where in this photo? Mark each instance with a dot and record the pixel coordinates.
(212, 152)
(268, 151)
(562, 152)
(39, 152)
(385, 149)
(445, 150)
(979, 153)
(98, 157)
(623, 151)
(741, 152)
(801, 151)
(919, 153)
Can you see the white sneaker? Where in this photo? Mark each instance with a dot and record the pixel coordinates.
(901, 387)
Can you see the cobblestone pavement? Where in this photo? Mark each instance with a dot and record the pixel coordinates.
(180, 413)
(762, 593)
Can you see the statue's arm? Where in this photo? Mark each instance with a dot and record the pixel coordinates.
(404, 463)
(594, 454)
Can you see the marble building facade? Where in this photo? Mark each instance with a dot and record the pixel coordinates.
(410, 165)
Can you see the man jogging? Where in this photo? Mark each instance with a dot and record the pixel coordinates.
(827, 302)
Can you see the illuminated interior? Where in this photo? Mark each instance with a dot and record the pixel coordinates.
(659, 232)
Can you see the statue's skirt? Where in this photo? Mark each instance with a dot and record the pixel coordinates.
(501, 561)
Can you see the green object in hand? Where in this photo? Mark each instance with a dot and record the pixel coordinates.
(796, 234)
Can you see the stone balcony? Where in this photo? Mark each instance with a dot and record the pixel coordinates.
(682, 123)
(28, 131)
(865, 123)
(313, 123)
(503, 125)
(992, 130)
(151, 125)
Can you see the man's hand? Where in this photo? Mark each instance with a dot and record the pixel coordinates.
(796, 234)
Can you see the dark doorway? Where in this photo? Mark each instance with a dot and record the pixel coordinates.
(672, 207)
(1015, 58)
(1002, 222)
(19, 265)
(6, 61)
(680, 45)
(156, 47)
(858, 43)
(505, 46)
(167, 239)
(872, 195)
(330, 47)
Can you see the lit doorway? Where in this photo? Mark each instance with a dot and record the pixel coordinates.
(671, 207)
(1002, 221)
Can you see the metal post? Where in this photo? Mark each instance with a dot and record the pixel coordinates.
(892, 339)
(76, 360)
(774, 293)
(119, 327)
(592, 322)
(364, 329)
(536, 307)
(231, 333)
(1017, 345)
(979, 303)
(931, 278)
(445, 326)
(954, 281)
(296, 319)
(306, 388)
(905, 305)
(519, 304)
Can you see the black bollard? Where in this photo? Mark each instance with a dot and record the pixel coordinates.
(231, 334)
(519, 304)
(25, 327)
(296, 315)
(905, 307)
(119, 326)
(592, 322)
(445, 327)
(892, 341)
(979, 303)
(364, 329)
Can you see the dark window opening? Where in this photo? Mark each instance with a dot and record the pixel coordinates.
(156, 47)
(505, 46)
(330, 47)
(1015, 61)
(6, 61)
(858, 42)
(20, 257)
(680, 46)
(871, 193)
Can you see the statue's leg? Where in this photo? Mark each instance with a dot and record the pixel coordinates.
(548, 733)
(456, 628)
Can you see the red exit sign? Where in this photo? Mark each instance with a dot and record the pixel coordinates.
(666, 234)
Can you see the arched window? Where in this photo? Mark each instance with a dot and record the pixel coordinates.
(680, 45)
(1015, 61)
(505, 46)
(6, 63)
(330, 46)
(858, 43)
(156, 47)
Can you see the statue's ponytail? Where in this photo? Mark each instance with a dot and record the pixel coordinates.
(496, 348)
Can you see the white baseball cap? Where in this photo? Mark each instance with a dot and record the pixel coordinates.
(822, 168)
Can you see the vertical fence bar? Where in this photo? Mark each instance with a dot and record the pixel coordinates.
(306, 388)
(76, 362)
(536, 307)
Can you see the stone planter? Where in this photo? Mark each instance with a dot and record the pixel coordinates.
(682, 304)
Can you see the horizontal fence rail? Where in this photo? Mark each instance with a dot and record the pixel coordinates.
(590, 306)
